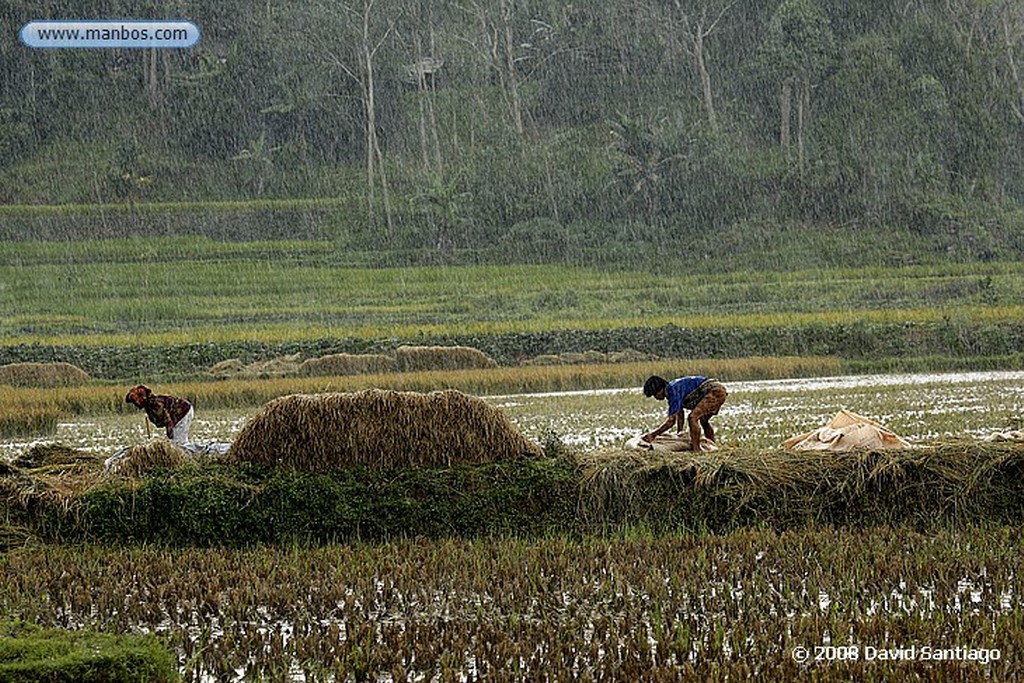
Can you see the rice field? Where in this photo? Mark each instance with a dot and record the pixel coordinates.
(812, 604)
(115, 292)
(825, 605)
(757, 414)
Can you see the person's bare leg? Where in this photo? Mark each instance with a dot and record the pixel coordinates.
(709, 431)
(701, 415)
(694, 422)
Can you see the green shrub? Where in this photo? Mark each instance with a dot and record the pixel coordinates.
(216, 504)
(31, 654)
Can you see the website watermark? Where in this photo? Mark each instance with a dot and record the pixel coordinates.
(125, 33)
(894, 653)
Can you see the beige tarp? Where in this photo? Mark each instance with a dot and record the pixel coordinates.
(847, 431)
(668, 444)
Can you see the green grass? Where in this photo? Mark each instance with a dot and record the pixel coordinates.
(30, 654)
(178, 290)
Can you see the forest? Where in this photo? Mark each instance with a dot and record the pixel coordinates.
(448, 125)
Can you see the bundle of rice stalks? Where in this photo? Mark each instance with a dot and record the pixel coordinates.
(275, 367)
(629, 356)
(418, 358)
(348, 364)
(27, 492)
(136, 461)
(42, 375)
(543, 359)
(378, 429)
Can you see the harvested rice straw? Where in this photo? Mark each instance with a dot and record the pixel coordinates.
(959, 473)
(378, 429)
(156, 454)
(42, 375)
(348, 364)
(415, 358)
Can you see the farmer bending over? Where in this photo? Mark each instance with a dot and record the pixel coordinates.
(170, 412)
(702, 396)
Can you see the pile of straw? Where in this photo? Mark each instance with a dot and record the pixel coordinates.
(226, 369)
(420, 358)
(48, 486)
(42, 375)
(967, 476)
(348, 364)
(52, 455)
(275, 367)
(30, 491)
(136, 461)
(378, 429)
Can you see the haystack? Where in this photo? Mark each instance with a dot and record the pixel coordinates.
(42, 375)
(275, 367)
(418, 358)
(629, 356)
(847, 431)
(348, 364)
(136, 461)
(24, 491)
(378, 429)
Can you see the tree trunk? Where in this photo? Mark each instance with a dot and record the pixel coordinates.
(511, 79)
(705, 79)
(1018, 108)
(785, 107)
(375, 158)
(803, 103)
(151, 76)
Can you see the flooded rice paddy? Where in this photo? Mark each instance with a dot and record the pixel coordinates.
(759, 414)
(832, 603)
(650, 609)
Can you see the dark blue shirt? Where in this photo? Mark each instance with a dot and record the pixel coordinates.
(678, 389)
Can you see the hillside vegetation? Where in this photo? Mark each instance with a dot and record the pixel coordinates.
(534, 130)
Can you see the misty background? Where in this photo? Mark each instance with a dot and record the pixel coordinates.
(533, 130)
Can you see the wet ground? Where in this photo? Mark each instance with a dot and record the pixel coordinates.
(761, 414)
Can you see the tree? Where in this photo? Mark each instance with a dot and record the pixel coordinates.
(795, 52)
(369, 28)
(1011, 19)
(646, 148)
(259, 156)
(497, 40)
(694, 27)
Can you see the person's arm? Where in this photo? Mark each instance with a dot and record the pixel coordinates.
(665, 426)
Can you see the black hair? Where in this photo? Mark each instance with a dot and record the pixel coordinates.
(653, 385)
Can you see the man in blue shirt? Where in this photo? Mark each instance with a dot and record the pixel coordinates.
(702, 396)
